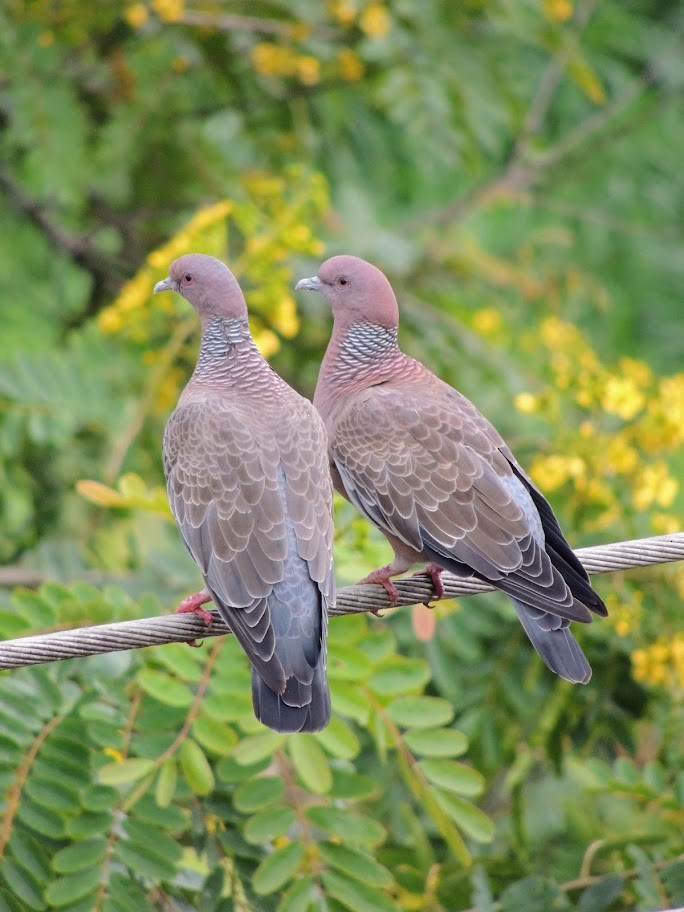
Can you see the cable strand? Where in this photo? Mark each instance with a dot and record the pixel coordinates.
(177, 628)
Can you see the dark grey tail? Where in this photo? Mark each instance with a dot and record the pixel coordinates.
(551, 637)
(300, 708)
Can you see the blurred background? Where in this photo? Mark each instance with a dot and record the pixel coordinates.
(515, 167)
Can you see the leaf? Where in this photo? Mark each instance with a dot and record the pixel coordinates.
(88, 825)
(347, 663)
(399, 677)
(195, 767)
(217, 737)
(52, 794)
(436, 742)
(258, 793)
(348, 826)
(36, 610)
(339, 740)
(297, 897)
(171, 819)
(181, 662)
(145, 834)
(257, 747)
(125, 771)
(22, 884)
(353, 785)
(420, 712)
(533, 894)
(465, 815)
(79, 856)
(41, 820)
(276, 869)
(456, 777)
(143, 860)
(268, 825)
(166, 783)
(98, 797)
(349, 702)
(598, 896)
(69, 889)
(355, 896)
(310, 762)
(361, 866)
(30, 855)
(164, 688)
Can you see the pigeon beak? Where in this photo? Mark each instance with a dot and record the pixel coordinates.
(312, 284)
(166, 284)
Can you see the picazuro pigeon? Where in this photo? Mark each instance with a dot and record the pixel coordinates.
(247, 477)
(424, 466)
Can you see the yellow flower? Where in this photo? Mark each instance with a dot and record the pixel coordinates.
(622, 397)
(285, 319)
(620, 457)
(136, 15)
(45, 39)
(487, 321)
(169, 10)
(344, 11)
(526, 403)
(557, 10)
(375, 21)
(180, 64)
(266, 341)
(351, 67)
(655, 485)
(308, 70)
(666, 524)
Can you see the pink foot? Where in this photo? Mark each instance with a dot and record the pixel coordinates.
(193, 604)
(434, 572)
(381, 577)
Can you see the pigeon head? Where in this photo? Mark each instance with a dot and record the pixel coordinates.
(356, 291)
(208, 284)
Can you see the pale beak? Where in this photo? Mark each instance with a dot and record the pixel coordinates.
(166, 284)
(312, 284)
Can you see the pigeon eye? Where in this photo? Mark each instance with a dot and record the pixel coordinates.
(342, 282)
(188, 279)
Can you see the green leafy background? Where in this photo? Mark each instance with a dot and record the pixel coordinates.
(515, 168)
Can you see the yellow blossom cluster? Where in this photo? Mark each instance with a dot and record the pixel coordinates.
(169, 10)
(204, 232)
(272, 217)
(283, 60)
(557, 10)
(634, 421)
(373, 18)
(661, 664)
(625, 610)
(271, 59)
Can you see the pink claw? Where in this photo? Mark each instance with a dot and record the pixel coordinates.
(193, 604)
(381, 577)
(434, 572)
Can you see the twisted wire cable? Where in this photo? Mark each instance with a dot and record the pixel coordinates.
(174, 628)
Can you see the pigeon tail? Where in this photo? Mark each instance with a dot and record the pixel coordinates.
(311, 715)
(558, 648)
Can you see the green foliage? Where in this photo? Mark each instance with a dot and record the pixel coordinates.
(515, 169)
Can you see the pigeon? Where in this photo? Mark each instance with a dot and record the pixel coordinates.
(245, 458)
(426, 467)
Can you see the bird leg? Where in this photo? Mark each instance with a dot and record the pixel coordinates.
(434, 572)
(193, 603)
(382, 575)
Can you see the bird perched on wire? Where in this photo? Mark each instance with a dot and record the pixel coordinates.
(423, 465)
(248, 483)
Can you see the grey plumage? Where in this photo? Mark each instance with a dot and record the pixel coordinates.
(247, 478)
(421, 463)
